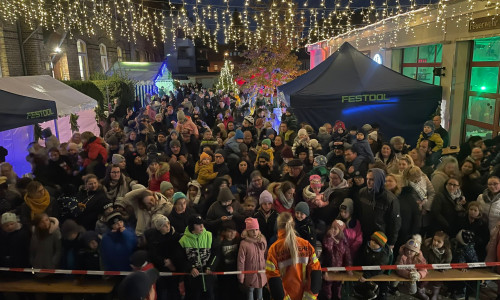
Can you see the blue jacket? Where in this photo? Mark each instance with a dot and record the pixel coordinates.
(116, 249)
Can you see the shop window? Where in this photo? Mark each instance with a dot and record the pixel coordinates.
(427, 54)
(439, 53)
(471, 130)
(119, 53)
(410, 55)
(481, 109)
(419, 63)
(410, 72)
(104, 57)
(487, 49)
(425, 74)
(83, 61)
(484, 79)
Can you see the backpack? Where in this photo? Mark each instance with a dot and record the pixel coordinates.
(69, 207)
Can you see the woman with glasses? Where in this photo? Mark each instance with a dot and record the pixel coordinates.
(116, 184)
(446, 169)
(490, 201)
(91, 199)
(447, 207)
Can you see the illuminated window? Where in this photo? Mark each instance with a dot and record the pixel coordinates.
(419, 63)
(104, 57)
(83, 61)
(119, 53)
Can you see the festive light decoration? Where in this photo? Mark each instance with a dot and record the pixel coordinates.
(226, 80)
(260, 21)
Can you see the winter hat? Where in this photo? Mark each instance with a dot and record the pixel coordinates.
(165, 185)
(238, 135)
(221, 152)
(139, 258)
(251, 223)
(177, 196)
(181, 116)
(9, 217)
(347, 205)
(414, 243)
(159, 220)
(295, 163)
(430, 124)
(303, 208)
(228, 225)
(265, 156)
(339, 224)
(194, 220)
(338, 124)
(270, 131)
(315, 181)
(107, 205)
(302, 132)
(286, 152)
(117, 158)
(373, 135)
(266, 142)
(115, 124)
(225, 194)
(250, 119)
(175, 143)
(204, 155)
(367, 127)
(114, 218)
(137, 285)
(337, 171)
(320, 160)
(69, 227)
(112, 141)
(89, 236)
(265, 197)
(174, 132)
(153, 159)
(380, 238)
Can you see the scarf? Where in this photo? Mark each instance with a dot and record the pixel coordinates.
(343, 184)
(37, 205)
(286, 203)
(438, 252)
(420, 188)
(114, 188)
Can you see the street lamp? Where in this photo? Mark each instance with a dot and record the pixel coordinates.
(57, 50)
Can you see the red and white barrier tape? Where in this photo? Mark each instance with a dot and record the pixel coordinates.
(330, 269)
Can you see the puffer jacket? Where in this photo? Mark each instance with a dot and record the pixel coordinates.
(251, 258)
(405, 260)
(491, 208)
(313, 200)
(354, 236)
(163, 207)
(433, 258)
(335, 254)
(45, 252)
(198, 249)
(163, 175)
(95, 150)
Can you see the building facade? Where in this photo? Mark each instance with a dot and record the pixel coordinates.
(456, 47)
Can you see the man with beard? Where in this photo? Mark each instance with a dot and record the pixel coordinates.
(186, 160)
(170, 117)
(263, 166)
(298, 177)
(161, 142)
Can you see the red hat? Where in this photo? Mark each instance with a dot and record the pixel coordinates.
(251, 223)
(286, 152)
(338, 124)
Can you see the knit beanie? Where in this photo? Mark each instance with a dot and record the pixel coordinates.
(373, 135)
(181, 116)
(159, 220)
(380, 238)
(286, 152)
(339, 224)
(338, 172)
(117, 158)
(430, 124)
(113, 218)
(251, 223)
(320, 160)
(204, 155)
(10, 217)
(69, 227)
(347, 205)
(238, 135)
(250, 119)
(414, 243)
(177, 196)
(315, 181)
(265, 197)
(302, 132)
(225, 194)
(367, 127)
(164, 186)
(266, 142)
(221, 152)
(303, 208)
(338, 124)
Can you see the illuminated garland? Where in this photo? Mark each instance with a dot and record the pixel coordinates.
(258, 20)
(226, 80)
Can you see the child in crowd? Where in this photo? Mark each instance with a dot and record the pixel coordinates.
(139, 262)
(89, 257)
(205, 169)
(437, 250)
(209, 141)
(410, 254)
(117, 245)
(319, 168)
(249, 206)
(474, 221)
(435, 141)
(265, 148)
(14, 249)
(339, 133)
(251, 257)
(227, 250)
(101, 226)
(266, 215)
(336, 253)
(352, 233)
(303, 140)
(376, 252)
(463, 251)
(312, 193)
(362, 147)
(304, 224)
(45, 246)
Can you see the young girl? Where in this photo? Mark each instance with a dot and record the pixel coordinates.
(410, 254)
(336, 253)
(474, 221)
(437, 250)
(312, 193)
(205, 169)
(287, 275)
(265, 148)
(266, 215)
(352, 233)
(251, 258)
(304, 224)
(303, 140)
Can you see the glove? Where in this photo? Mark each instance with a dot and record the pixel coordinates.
(414, 276)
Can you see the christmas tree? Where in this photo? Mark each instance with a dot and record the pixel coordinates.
(226, 82)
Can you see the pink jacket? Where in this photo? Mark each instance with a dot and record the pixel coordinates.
(188, 124)
(354, 237)
(251, 258)
(405, 260)
(336, 255)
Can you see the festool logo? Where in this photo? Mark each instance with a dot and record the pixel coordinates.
(365, 98)
(39, 113)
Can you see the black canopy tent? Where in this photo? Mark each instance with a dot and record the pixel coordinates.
(18, 110)
(351, 87)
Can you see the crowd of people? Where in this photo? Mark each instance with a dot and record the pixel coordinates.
(199, 181)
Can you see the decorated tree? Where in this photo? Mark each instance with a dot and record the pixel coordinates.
(226, 80)
(267, 67)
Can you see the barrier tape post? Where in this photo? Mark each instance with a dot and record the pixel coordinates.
(329, 269)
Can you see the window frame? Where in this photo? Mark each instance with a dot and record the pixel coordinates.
(119, 54)
(82, 59)
(418, 65)
(104, 57)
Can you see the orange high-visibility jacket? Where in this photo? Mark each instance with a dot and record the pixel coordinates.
(296, 278)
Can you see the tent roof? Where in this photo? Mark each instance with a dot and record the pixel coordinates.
(138, 71)
(348, 71)
(44, 87)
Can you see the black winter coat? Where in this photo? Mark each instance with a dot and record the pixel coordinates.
(410, 213)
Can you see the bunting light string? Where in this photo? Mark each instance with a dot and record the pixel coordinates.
(249, 24)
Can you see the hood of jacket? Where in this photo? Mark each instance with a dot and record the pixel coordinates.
(191, 240)
(379, 180)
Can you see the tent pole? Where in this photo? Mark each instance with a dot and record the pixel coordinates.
(57, 128)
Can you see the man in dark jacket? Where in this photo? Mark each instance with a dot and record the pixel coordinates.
(379, 208)
(298, 177)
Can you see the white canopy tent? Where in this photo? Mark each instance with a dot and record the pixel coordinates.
(68, 101)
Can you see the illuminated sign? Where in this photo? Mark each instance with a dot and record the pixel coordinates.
(365, 98)
(39, 114)
(377, 58)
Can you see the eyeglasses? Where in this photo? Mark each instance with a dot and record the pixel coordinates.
(452, 184)
(493, 184)
(257, 180)
(218, 156)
